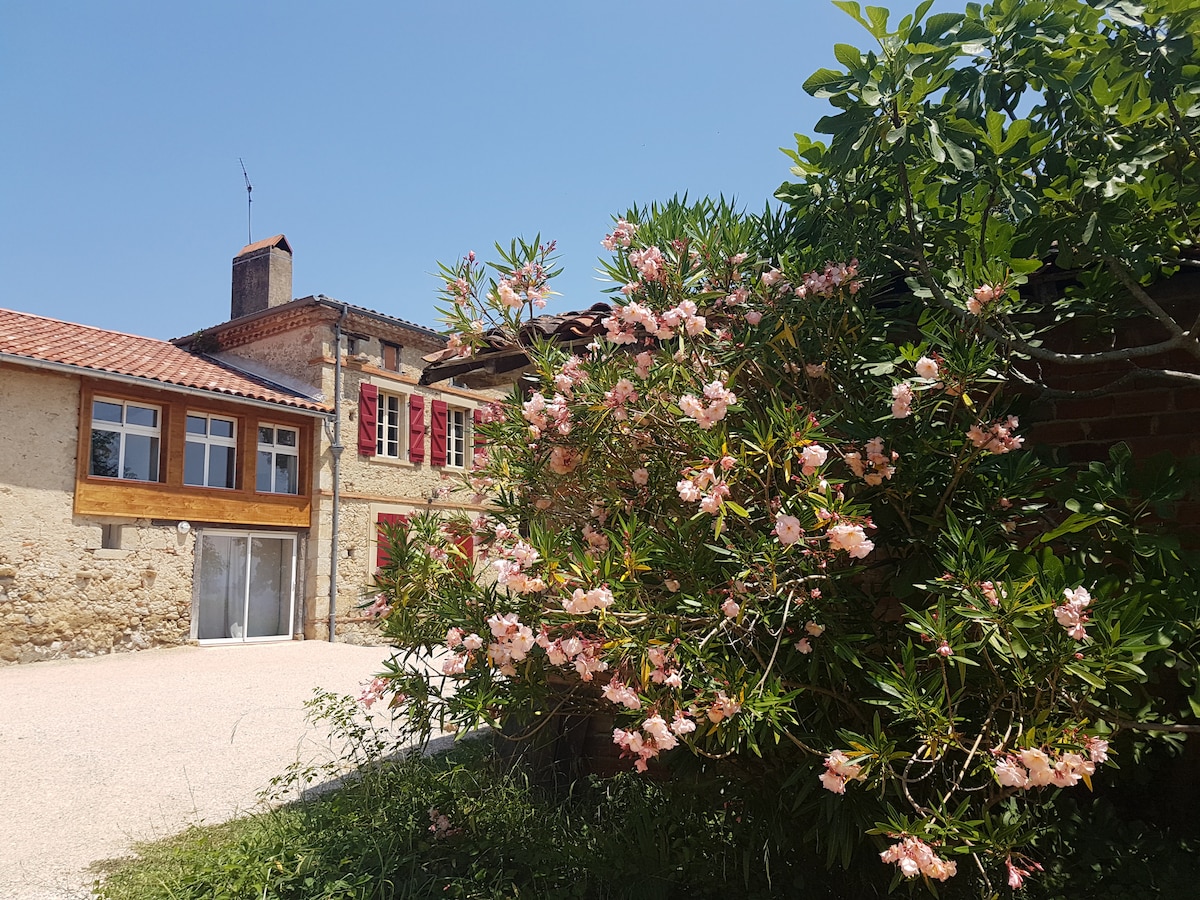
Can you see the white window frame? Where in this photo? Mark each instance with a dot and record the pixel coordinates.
(275, 450)
(382, 424)
(456, 450)
(124, 429)
(208, 440)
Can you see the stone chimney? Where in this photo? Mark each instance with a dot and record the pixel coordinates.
(262, 276)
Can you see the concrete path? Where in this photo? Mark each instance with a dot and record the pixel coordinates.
(96, 754)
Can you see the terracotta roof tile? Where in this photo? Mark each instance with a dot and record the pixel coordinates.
(277, 241)
(98, 350)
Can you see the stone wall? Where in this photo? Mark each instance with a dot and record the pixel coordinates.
(62, 592)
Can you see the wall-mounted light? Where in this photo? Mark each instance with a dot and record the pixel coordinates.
(184, 527)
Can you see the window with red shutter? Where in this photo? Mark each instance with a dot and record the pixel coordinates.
(437, 432)
(368, 414)
(416, 428)
(386, 522)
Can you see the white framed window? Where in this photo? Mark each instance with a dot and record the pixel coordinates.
(456, 437)
(278, 470)
(389, 426)
(126, 440)
(210, 456)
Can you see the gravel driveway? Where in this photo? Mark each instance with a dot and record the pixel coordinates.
(96, 754)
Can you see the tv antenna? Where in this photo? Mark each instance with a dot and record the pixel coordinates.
(249, 200)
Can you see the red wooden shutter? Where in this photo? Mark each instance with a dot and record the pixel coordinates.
(368, 416)
(467, 545)
(479, 448)
(477, 420)
(416, 428)
(386, 520)
(437, 433)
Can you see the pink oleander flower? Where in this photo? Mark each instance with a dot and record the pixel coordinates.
(813, 628)
(814, 370)
(564, 460)
(455, 665)
(902, 398)
(454, 637)
(927, 368)
(648, 262)
(644, 360)
(787, 529)
(850, 538)
(753, 317)
(1009, 774)
(813, 457)
(999, 437)
(507, 296)
(472, 641)
(682, 725)
(771, 277)
(915, 857)
(671, 585)
(804, 645)
(621, 694)
(944, 649)
(984, 296)
(621, 235)
(583, 602)
(1072, 615)
(730, 608)
(373, 692)
(723, 708)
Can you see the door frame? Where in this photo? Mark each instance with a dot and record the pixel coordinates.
(293, 536)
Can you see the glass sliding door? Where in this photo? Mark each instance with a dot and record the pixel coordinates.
(245, 585)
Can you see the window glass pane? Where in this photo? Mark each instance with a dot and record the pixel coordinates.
(197, 425)
(193, 463)
(103, 411)
(106, 454)
(221, 428)
(266, 434)
(285, 437)
(262, 480)
(141, 415)
(285, 474)
(220, 467)
(141, 458)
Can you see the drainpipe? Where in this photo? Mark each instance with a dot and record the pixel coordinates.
(336, 450)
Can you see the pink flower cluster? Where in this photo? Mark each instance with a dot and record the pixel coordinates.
(564, 460)
(878, 464)
(569, 376)
(915, 857)
(850, 538)
(1018, 874)
(707, 416)
(984, 296)
(704, 486)
(621, 393)
(512, 563)
(512, 643)
(649, 263)
(374, 692)
(838, 770)
(723, 708)
(655, 737)
(926, 368)
(380, 608)
(541, 414)
(1000, 436)
(580, 652)
(465, 645)
(622, 235)
(1072, 615)
(664, 672)
(583, 602)
(1036, 768)
(826, 284)
(620, 693)
(621, 327)
(902, 398)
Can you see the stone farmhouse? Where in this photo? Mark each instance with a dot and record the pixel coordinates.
(220, 488)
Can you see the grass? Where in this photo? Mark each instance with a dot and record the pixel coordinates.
(377, 836)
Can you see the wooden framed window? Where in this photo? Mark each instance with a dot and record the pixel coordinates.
(126, 440)
(211, 451)
(278, 469)
(391, 356)
(389, 426)
(456, 437)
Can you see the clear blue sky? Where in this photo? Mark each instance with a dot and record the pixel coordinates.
(380, 138)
